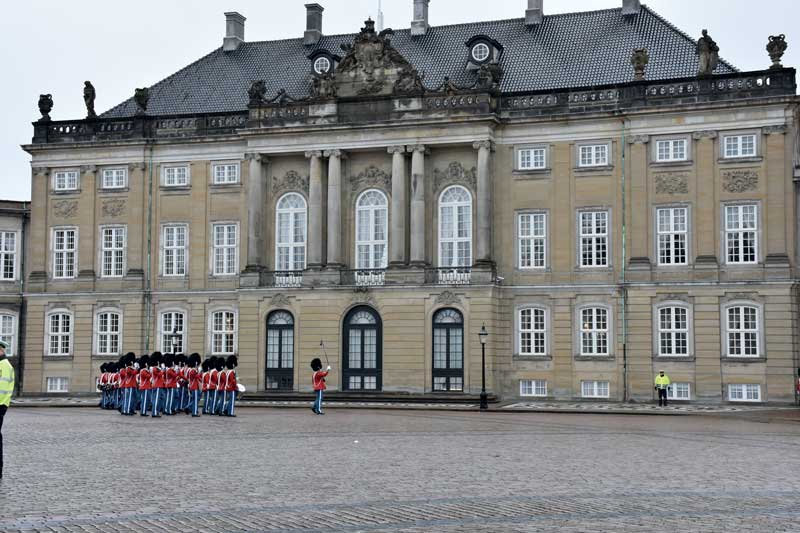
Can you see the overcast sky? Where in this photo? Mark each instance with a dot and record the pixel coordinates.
(52, 46)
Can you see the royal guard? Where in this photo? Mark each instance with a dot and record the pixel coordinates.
(213, 375)
(102, 384)
(205, 383)
(183, 383)
(318, 380)
(220, 386)
(129, 384)
(194, 378)
(158, 389)
(230, 386)
(145, 385)
(170, 383)
(119, 366)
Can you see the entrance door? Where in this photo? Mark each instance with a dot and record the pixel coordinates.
(448, 351)
(280, 351)
(363, 341)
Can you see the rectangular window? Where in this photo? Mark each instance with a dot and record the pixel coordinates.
(115, 178)
(594, 331)
(55, 385)
(113, 252)
(108, 333)
(65, 180)
(673, 331)
(594, 389)
(174, 251)
(532, 230)
(679, 391)
(172, 332)
(743, 331)
(8, 330)
(533, 387)
(531, 159)
(744, 392)
(176, 176)
(59, 334)
(224, 249)
(8, 255)
(671, 150)
(741, 234)
(226, 174)
(223, 332)
(593, 155)
(739, 146)
(532, 332)
(594, 238)
(64, 253)
(673, 229)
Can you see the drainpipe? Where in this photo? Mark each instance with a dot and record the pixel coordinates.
(22, 307)
(623, 285)
(148, 293)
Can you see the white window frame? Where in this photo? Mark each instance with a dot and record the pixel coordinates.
(599, 155)
(732, 145)
(9, 337)
(98, 333)
(596, 387)
(69, 335)
(532, 239)
(545, 332)
(742, 332)
(114, 178)
(73, 251)
(164, 248)
(455, 240)
(71, 180)
(212, 332)
(672, 331)
(672, 148)
(225, 173)
(746, 390)
(229, 253)
(594, 333)
(118, 256)
(173, 169)
(737, 233)
(371, 243)
(533, 388)
(594, 238)
(530, 158)
(50, 386)
(671, 234)
(162, 333)
(473, 52)
(318, 62)
(672, 391)
(294, 214)
(13, 253)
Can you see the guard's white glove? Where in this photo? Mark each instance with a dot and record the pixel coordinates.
(329, 368)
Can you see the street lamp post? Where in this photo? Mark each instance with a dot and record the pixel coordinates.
(483, 334)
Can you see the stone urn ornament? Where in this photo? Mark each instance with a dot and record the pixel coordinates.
(776, 48)
(45, 106)
(141, 97)
(639, 60)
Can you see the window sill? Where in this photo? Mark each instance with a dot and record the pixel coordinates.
(597, 358)
(69, 192)
(600, 169)
(745, 360)
(57, 358)
(674, 358)
(113, 190)
(105, 357)
(183, 189)
(533, 357)
(669, 164)
(540, 173)
(738, 160)
(224, 187)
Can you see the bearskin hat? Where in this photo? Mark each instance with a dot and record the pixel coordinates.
(205, 366)
(194, 359)
(180, 359)
(231, 362)
(103, 367)
(155, 359)
(144, 361)
(316, 364)
(220, 363)
(130, 359)
(169, 359)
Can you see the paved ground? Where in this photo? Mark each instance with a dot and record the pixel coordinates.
(410, 471)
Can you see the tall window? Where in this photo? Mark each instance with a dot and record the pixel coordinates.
(741, 234)
(673, 331)
(172, 332)
(593, 155)
(8, 255)
(226, 173)
(115, 178)
(113, 252)
(743, 331)
(448, 350)
(744, 392)
(594, 238)
(174, 251)
(455, 228)
(176, 176)
(594, 331)
(532, 332)
(224, 249)
(594, 389)
(672, 235)
(108, 333)
(65, 180)
(671, 150)
(739, 146)
(532, 229)
(59, 334)
(64, 253)
(8, 332)
(371, 234)
(290, 233)
(280, 350)
(223, 333)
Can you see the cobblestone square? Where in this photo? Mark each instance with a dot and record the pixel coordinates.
(79, 469)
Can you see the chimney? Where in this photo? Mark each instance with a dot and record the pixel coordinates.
(534, 13)
(313, 24)
(631, 8)
(419, 26)
(234, 31)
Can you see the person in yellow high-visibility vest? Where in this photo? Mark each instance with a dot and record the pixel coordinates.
(6, 388)
(662, 384)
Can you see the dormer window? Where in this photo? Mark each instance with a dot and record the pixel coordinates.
(480, 52)
(322, 65)
(323, 62)
(483, 50)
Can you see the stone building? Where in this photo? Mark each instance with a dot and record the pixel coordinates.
(13, 245)
(602, 192)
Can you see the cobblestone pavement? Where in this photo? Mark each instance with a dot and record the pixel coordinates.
(409, 471)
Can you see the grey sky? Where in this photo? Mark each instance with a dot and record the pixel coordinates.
(52, 46)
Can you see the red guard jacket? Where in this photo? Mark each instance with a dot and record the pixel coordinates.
(171, 379)
(145, 376)
(193, 377)
(158, 378)
(204, 380)
(319, 380)
(221, 379)
(212, 380)
(128, 378)
(230, 381)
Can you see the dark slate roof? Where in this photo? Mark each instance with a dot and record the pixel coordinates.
(569, 50)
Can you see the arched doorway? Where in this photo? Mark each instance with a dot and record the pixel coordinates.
(280, 351)
(363, 350)
(448, 351)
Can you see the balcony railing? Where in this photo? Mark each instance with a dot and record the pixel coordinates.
(449, 276)
(285, 278)
(364, 277)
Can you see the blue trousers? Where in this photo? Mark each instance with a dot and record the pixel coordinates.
(158, 401)
(229, 402)
(146, 399)
(128, 402)
(194, 401)
(206, 400)
(318, 401)
(169, 407)
(219, 402)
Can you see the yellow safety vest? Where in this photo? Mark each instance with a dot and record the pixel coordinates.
(6, 382)
(662, 382)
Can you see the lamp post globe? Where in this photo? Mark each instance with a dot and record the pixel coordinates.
(482, 335)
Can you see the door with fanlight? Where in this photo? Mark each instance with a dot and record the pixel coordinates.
(448, 351)
(280, 351)
(363, 350)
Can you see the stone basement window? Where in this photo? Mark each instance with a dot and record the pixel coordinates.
(679, 391)
(594, 389)
(58, 385)
(533, 387)
(744, 392)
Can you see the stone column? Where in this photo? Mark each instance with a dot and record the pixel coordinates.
(706, 203)
(483, 248)
(255, 212)
(417, 204)
(397, 235)
(315, 209)
(639, 218)
(137, 220)
(334, 208)
(778, 193)
(87, 243)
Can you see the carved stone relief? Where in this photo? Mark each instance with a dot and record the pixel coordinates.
(672, 182)
(292, 181)
(448, 298)
(455, 173)
(65, 208)
(279, 300)
(364, 297)
(736, 181)
(114, 207)
(371, 176)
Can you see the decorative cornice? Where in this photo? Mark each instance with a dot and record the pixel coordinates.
(136, 166)
(41, 171)
(448, 298)
(704, 134)
(487, 144)
(313, 153)
(638, 139)
(778, 128)
(88, 169)
(398, 149)
(333, 153)
(421, 148)
(280, 300)
(254, 156)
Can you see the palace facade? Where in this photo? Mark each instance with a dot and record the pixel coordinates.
(601, 192)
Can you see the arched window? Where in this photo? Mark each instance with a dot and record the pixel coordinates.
(59, 333)
(371, 235)
(290, 237)
(280, 350)
(673, 330)
(108, 332)
(8, 332)
(173, 332)
(363, 349)
(223, 332)
(448, 350)
(532, 331)
(455, 227)
(743, 330)
(594, 331)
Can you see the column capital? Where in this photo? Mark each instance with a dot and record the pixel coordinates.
(638, 139)
(255, 156)
(87, 169)
(333, 153)
(705, 134)
(421, 148)
(779, 129)
(397, 149)
(313, 153)
(487, 144)
(41, 171)
(136, 166)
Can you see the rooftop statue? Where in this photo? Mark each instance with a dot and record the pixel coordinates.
(639, 60)
(88, 98)
(142, 98)
(708, 54)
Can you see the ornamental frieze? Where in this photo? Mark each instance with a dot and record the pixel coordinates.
(455, 173)
(280, 300)
(65, 208)
(448, 298)
(737, 181)
(113, 208)
(672, 182)
(371, 176)
(292, 181)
